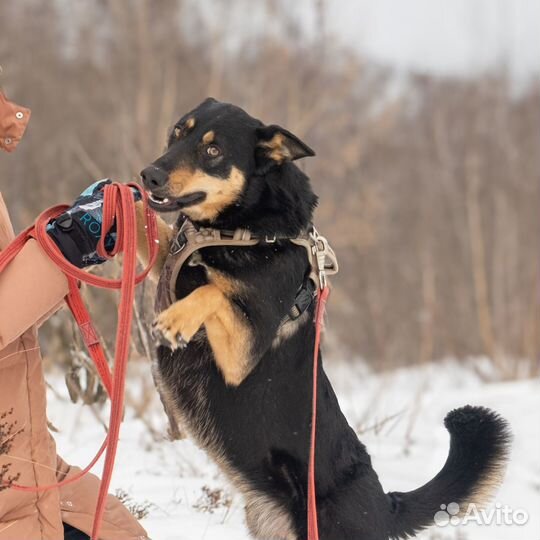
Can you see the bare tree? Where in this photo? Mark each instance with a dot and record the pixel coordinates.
(430, 196)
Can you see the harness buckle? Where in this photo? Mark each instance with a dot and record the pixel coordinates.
(270, 239)
(324, 258)
(178, 244)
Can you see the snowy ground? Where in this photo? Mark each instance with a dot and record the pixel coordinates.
(399, 415)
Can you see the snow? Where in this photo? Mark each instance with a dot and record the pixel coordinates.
(399, 416)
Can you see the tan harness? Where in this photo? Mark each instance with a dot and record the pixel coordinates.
(188, 239)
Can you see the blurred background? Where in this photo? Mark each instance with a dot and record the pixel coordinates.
(425, 117)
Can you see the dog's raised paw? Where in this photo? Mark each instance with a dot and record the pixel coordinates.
(167, 337)
(175, 326)
(181, 342)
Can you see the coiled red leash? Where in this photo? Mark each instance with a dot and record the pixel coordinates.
(313, 528)
(119, 208)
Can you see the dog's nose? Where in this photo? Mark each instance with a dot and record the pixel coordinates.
(153, 177)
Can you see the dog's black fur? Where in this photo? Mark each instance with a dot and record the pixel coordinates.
(254, 419)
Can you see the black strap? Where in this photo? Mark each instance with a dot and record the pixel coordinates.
(303, 299)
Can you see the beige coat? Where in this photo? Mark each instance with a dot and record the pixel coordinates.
(31, 289)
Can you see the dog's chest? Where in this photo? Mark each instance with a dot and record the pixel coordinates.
(194, 272)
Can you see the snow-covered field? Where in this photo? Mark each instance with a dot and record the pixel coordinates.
(399, 416)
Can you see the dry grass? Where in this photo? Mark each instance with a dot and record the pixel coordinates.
(137, 509)
(212, 500)
(8, 432)
(429, 196)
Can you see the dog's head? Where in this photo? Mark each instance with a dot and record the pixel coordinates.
(213, 154)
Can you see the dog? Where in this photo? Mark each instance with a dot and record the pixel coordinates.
(237, 372)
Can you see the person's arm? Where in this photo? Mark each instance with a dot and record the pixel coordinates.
(31, 287)
(13, 122)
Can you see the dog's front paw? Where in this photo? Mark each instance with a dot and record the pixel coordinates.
(164, 337)
(175, 327)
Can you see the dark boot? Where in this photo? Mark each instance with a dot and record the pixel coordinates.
(71, 533)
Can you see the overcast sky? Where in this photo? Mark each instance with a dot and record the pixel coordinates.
(443, 35)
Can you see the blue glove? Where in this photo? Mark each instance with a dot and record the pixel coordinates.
(78, 230)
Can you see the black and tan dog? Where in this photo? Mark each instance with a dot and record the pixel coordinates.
(236, 371)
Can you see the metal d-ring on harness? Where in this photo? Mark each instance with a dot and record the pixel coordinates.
(189, 239)
(321, 256)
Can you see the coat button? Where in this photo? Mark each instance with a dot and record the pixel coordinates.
(19, 115)
(8, 140)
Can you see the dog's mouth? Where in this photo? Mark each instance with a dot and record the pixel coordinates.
(172, 204)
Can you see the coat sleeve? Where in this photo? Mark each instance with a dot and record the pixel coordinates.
(78, 504)
(31, 287)
(13, 122)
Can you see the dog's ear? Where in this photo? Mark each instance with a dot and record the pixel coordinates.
(281, 145)
(209, 101)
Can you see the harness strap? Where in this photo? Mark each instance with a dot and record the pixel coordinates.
(189, 239)
(303, 299)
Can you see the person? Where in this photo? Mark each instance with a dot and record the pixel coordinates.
(31, 290)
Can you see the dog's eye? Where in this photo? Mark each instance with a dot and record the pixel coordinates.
(213, 151)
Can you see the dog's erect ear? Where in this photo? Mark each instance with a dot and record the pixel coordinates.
(209, 101)
(281, 145)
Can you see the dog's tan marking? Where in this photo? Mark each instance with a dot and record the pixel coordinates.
(487, 485)
(289, 329)
(227, 330)
(190, 123)
(230, 339)
(220, 192)
(227, 285)
(277, 150)
(164, 237)
(177, 132)
(208, 137)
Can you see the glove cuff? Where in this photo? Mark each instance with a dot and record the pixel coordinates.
(71, 241)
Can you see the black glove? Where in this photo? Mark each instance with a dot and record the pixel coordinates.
(78, 230)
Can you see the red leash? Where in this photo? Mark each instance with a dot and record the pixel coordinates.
(119, 207)
(313, 528)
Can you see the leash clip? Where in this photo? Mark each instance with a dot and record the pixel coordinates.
(322, 251)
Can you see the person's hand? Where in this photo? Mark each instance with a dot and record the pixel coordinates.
(78, 230)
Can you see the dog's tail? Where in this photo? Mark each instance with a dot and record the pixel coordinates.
(479, 450)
